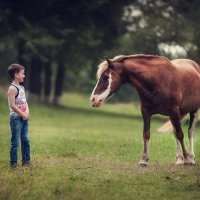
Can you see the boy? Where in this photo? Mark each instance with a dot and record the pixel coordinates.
(19, 114)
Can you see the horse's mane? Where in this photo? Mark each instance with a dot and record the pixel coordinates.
(104, 65)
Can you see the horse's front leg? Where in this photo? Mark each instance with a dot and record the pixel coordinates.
(146, 136)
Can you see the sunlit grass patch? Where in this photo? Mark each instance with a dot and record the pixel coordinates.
(79, 152)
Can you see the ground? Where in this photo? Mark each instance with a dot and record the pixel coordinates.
(79, 152)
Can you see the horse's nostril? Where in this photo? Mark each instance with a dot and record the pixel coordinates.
(92, 99)
(100, 100)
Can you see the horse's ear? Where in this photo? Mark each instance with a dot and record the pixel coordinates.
(110, 63)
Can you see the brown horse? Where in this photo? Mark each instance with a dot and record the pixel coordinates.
(170, 88)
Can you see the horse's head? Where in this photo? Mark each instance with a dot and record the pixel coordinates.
(109, 77)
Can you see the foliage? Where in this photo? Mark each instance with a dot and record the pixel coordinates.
(76, 34)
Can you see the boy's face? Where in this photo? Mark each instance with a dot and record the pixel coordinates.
(20, 76)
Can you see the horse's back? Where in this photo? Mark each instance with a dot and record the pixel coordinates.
(186, 64)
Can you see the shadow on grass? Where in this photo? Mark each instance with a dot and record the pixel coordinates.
(95, 112)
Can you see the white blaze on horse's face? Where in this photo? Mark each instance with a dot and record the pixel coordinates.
(102, 90)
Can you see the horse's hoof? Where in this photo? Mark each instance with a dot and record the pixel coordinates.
(189, 161)
(143, 163)
(179, 161)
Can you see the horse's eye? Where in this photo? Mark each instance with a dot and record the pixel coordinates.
(105, 78)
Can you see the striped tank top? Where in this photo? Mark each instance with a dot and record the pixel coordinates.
(20, 99)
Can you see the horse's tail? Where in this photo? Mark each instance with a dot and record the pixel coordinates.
(167, 126)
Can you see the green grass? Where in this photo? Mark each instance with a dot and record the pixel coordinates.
(83, 153)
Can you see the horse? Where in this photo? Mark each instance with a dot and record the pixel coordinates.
(166, 87)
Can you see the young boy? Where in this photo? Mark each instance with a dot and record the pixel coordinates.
(19, 115)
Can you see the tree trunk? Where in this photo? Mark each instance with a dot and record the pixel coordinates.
(47, 82)
(35, 80)
(21, 61)
(59, 82)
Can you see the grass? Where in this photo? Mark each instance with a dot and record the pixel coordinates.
(83, 153)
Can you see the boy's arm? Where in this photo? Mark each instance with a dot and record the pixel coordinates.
(27, 110)
(11, 96)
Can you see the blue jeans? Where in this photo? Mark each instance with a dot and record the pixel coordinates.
(19, 130)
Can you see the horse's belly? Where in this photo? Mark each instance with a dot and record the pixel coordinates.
(189, 105)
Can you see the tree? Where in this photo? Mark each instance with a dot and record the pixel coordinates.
(69, 27)
(69, 37)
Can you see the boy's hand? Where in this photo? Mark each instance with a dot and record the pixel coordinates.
(25, 116)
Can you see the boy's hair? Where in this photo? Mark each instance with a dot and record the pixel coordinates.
(14, 69)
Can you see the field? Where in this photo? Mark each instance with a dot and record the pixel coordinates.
(82, 153)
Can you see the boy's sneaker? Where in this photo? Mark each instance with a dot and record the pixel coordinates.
(14, 165)
(26, 164)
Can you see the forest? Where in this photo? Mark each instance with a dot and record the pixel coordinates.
(61, 42)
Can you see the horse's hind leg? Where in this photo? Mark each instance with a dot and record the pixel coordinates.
(179, 157)
(191, 134)
(176, 121)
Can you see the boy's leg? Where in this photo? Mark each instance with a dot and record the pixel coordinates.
(15, 125)
(25, 145)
